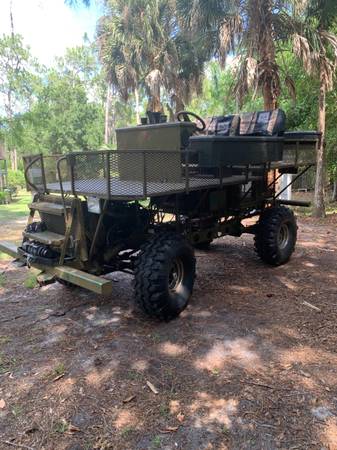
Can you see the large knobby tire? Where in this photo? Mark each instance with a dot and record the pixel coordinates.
(276, 235)
(164, 276)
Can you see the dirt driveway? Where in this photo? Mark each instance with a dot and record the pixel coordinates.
(251, 364)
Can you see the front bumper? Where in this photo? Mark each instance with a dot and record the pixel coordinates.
(72, 275)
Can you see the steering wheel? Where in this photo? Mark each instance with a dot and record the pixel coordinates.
(183, 116)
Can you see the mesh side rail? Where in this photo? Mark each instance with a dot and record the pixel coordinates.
(40, 172)
(135, 174)
(126, 174)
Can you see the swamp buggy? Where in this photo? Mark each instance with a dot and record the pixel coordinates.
(168, 188)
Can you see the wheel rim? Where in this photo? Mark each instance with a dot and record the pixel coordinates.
(283, 236)
(176, 275)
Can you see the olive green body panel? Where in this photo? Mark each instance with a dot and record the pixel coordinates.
(166, 137)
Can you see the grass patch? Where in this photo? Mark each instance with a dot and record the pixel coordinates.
(2, 279)
(133, 375)
(225, 431)
(61, 426)
(30, 281)
(164, 410)
(156, 442)
(17, 410)
(331, 208)
(5, 340)
(4, 257)
(127, 431)
(17, 209)
(59, 369)
(6, 363)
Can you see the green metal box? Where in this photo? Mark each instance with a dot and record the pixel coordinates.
(167, 137)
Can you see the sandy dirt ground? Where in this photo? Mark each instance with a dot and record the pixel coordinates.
(250, 364)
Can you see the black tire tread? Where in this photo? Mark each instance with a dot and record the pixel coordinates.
(267, 231)
(147, 286)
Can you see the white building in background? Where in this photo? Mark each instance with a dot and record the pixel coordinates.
(285, 180)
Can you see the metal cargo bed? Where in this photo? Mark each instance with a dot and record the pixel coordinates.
(127, 175)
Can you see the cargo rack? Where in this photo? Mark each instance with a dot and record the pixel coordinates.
(139, 174)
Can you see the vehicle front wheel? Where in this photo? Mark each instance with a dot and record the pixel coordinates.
(164, 276)
(276, 235)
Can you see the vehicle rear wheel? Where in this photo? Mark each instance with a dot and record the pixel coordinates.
(276, 235)
(164, 276)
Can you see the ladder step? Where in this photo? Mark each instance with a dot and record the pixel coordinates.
(46, 237)
(48, 207)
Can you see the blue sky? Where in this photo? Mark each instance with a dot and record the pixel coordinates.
(49, 26)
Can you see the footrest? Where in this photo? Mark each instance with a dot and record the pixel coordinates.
(46, 237)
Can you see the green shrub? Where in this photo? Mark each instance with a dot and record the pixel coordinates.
(3, 198)
(16, 179)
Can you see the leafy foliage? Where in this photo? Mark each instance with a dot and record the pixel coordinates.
(141, 43)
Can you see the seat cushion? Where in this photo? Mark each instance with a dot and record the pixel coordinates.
(263, 123)
(224, 125)
(247, 123)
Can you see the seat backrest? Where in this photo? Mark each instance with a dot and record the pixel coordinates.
(263, 123)
(247, 123)
(224, 125)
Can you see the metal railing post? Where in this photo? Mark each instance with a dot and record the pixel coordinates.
(43, 175)
(29, 165)
(145, 175)
(71, 160)
(187, 172)
(108, 173)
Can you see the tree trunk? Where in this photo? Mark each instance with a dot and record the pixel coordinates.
(14, 159)
(261, 21)
(269, 100)
(180, 105)
(153, 81)
(107, 114)
(112, 123)
(334, 192)
(319, 206)
(137, 105)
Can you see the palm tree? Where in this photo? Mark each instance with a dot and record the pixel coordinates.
(316, 46)
(140, 43)
(249, 29)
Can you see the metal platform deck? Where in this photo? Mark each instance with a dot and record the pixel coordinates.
(136, 190)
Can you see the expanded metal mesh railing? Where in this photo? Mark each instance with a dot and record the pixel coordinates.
(41, 170)
(124, 174)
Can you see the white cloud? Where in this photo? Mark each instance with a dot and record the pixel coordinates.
(48, 26)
